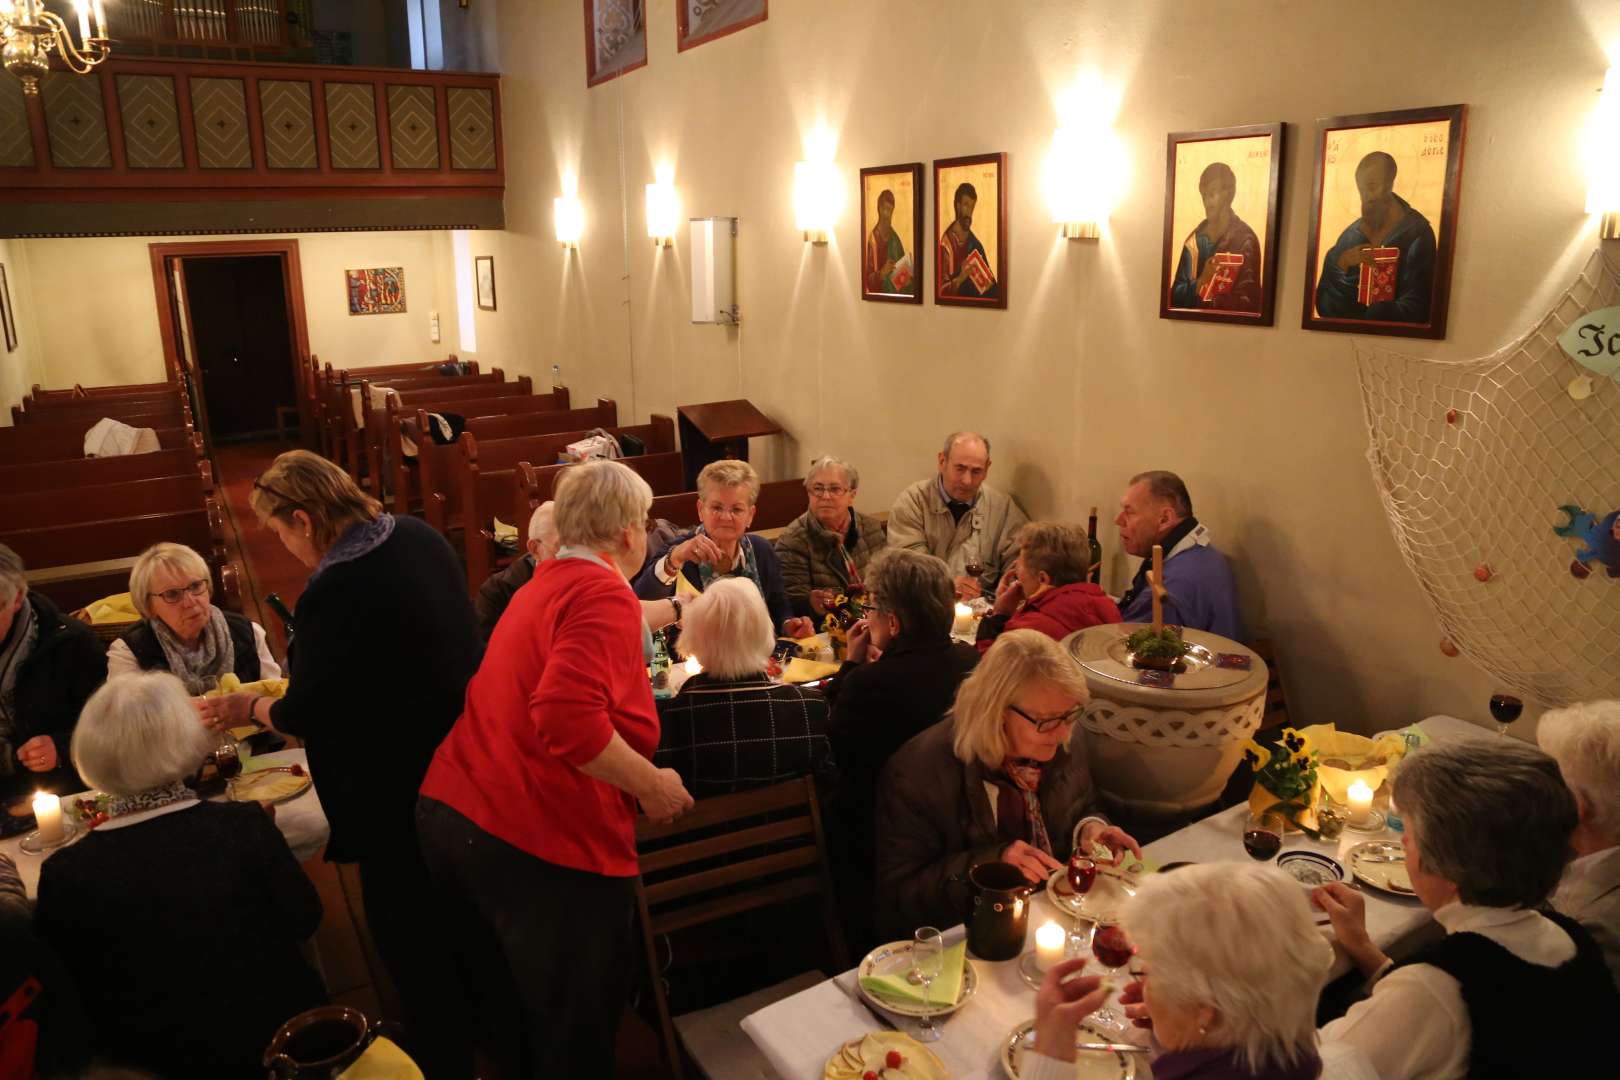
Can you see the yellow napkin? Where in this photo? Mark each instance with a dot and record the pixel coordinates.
(800, 670)
(112, 609)
(230, 684)
(504, 532)
(945, 990)
(382, 1061)
(685, 589)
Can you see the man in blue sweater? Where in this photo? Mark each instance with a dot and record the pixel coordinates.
(1156, 509)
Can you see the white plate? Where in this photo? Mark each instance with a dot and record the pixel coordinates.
(1102, 903)
(850, 1061)
(1310, 868)
(1380, 874)
(895, 957)
(1089, 1064)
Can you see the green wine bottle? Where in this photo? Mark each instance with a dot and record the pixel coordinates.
(1095, 575)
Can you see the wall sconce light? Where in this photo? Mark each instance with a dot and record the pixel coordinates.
(568, 216)
(816, 191)
(1603, 167)
(1084, 176)
(663, 208)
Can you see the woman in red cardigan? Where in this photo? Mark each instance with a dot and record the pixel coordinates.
(527, 815)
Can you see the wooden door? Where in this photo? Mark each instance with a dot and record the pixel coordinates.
(242, 339)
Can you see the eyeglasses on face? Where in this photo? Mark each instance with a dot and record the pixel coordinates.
(828, 491)
(175, 595)
(1048, 723)
(720, 510)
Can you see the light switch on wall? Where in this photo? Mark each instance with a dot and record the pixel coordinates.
(433, 326)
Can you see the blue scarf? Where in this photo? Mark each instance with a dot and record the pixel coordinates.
(359, 539)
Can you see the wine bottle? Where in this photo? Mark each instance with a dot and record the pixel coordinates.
(281, 611)
(1095, 576)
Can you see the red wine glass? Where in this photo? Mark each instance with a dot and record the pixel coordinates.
(1082, 873)
(1262, 835)
(1506, 709)
(1113, 949)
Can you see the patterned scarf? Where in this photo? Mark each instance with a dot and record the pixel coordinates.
(199, 667)
(13, 651)
(359, 539)
(749, 568)
(151, 799)
(1018, 804)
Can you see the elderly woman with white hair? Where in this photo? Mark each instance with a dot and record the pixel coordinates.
(528, 813)
(721, 546)
(996, 780)
(1229, 987)
(182, 631)
(730, 728)
(50, 664)
(1487, 828)
(1585, 741)
(825, 550)
(496, 592)
(168, 886)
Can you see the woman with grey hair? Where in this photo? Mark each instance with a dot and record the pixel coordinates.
(1487, 826)
(182, 631)
(50, 664)
(825, 550)
(528, 813)
(1229, 988)
(730, 728)
(1585, 741)
(168, 886)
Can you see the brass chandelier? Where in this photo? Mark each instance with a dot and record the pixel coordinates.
(29, 34)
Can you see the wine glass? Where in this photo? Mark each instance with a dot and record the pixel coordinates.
(1082, 873)
(1506, 709)
(1113, 949)
(927, 959)
(1262, 835)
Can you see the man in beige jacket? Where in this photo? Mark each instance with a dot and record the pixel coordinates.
(958, 517)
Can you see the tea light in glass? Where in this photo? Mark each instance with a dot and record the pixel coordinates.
(1050, 940)
(1360, 797)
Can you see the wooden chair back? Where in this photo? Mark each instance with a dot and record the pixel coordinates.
(728, 855)
(86, 472)
(65, 442)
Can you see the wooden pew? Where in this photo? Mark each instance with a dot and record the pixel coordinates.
(64, 442)
(780, 501)
(39, 393)
(32, 404)
(74, 586)
(86, 542)
(71, 506)
(348, 432)
(139, 412)
(433, 459)
(321, 381)
(84, 472)
(534, 484)
(386, 447)
(521, 419)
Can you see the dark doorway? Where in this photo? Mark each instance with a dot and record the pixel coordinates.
(242, 342)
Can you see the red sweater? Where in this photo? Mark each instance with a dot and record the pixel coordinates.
(1059, 612)
(563, 672)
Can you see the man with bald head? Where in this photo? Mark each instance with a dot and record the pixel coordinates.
(1221, 232)
(958, 517)
(1386, 221)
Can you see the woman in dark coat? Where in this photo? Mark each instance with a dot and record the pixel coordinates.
(386, 642)
(50, 664)
(1009, 734)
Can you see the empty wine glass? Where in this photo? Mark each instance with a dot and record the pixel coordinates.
(1506, 709)
(927, 960)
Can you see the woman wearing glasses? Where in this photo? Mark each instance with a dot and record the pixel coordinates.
(828, 546)
(182, 631)
(994, 781)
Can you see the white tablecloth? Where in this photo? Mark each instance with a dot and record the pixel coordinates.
(799, 1033)
(301, 821)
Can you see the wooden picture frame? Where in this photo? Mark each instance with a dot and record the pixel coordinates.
(1226, 181)
(716, 19)
(8, 318)
(615, 39)
(1393, 278)
(484, 281)
(900, 187)
(958, 282)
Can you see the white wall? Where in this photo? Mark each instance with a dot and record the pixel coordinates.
(19, 369)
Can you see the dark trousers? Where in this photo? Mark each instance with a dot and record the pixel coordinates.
(407, 923)
(547, 949)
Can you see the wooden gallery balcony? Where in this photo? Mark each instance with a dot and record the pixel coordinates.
(157, 146)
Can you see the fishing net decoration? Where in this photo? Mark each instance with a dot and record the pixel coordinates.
(1478, 495)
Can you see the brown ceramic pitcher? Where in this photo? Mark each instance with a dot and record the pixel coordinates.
(319, 1044)
(997, 914)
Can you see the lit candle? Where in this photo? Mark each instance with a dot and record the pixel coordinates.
(1360, 797)
(963, 623)
(1049, 942)
(693, 667)
(48, 816)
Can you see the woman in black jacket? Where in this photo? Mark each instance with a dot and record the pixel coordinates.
(50, 664)
(386, 643)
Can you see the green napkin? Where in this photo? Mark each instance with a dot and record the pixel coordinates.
(945, 990)
(1104, 857)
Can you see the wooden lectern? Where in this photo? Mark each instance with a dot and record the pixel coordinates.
(719, 429)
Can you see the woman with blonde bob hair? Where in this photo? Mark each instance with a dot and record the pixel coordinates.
(385, 641)
(169, 878)
(730, 728)
(182, 631)
(996, 781)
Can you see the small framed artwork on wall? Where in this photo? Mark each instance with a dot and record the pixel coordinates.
(1221, 189)
(8, 318)
(698, 21)
(484, 278)
(970, 229)
(376, 292)
(615, 38)
(1383, 222)
(892, 233)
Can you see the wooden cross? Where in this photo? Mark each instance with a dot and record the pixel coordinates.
(1155, 578)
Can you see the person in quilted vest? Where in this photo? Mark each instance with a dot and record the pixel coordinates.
(826, 549)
